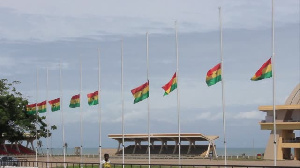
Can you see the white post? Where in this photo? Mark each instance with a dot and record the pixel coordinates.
(149, 143)
(273, 75)
(178, 102)
(253, 147)
(222, 75)
(36, 114)
(122, 95)
(81, 137)
(215, 151)
(207, 152)
(47, 119)
(62, 115)
(99, 107)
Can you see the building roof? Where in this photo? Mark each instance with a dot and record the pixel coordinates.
(164, 137)
(279, 107)
(291, 103)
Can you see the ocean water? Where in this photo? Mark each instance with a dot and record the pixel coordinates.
(220, 151)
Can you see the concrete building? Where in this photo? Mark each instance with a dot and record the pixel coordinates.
(287, 121)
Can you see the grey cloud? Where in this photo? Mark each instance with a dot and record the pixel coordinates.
(69, 38)
(27, 23)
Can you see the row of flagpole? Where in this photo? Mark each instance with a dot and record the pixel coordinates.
(273, 74)
(222, 81)
(99, 108)
(62, 115)
(178, 102)
(36, 124)
(81, 138)
(47, 119)
(122, 94)
(148, 105)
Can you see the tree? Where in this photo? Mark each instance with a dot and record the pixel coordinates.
(14, 120)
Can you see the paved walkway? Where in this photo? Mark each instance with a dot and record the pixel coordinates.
(175, 161)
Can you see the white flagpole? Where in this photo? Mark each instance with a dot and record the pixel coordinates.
(81, 138)
(47, 115)
(149, 143)
(178, 102)
(273, 75)
(122, 95)
(99, 108)
(222, 75)
(62, 114)
(36, 114)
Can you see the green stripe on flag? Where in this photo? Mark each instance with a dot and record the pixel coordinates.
(214, 80)
(142, 97)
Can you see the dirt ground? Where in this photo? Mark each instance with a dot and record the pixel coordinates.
(184, 161)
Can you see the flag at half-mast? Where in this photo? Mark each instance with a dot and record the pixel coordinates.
(42, 107)
(75, 101)
(140, 93)
(93, 98)
(55, 104)
(265, 71)
(213, 76)
(31, 108)
(171, 85)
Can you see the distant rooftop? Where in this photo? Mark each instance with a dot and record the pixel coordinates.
(165, 137)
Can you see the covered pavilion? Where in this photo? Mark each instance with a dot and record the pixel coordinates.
(163, 138)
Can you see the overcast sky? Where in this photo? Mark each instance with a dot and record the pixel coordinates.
(39, 34)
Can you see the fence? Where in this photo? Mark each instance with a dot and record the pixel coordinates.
(40, 164)
(162, 156)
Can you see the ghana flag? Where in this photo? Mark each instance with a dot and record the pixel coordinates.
(140, 93)
(55, 104)
(265, 71)
(42, 107)
(31, 108)
(213, 76)
(93, 98)
(171, 85)
(75, 101)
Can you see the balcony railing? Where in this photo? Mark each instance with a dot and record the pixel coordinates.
(264, 121)
(294, 140)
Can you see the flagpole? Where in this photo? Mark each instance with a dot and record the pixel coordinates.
(222, 74)
(99, 107)
(47, 115)
(36, 114)
(178, 102)
(81, 138)
(122, 95)
(273, 71)
(62, 114)
(149, 143)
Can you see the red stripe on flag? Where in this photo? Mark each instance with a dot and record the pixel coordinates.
(41, 103)
(259, 72)
(169, 84)
(140, 88)
(90, 95)
(32, 105)
(54, 101)
(76, 97)
(215, 68)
